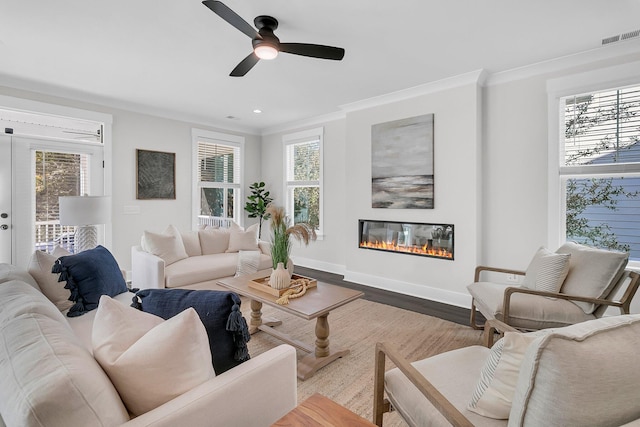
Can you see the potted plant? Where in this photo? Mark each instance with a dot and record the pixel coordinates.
(257, 204)
(281, 244)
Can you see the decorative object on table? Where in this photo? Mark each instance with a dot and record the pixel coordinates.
(298, 288)
(262, 284)
(281, 236)
(85, 212)
(155, 175)
(280, 277)
(402, 163)
(257, 204)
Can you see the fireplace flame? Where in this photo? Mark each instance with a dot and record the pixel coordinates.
(419, 250)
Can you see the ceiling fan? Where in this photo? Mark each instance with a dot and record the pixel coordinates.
(265, 43)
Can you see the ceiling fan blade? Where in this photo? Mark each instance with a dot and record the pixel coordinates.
(245, 65)
(231, 17)
(313, 50)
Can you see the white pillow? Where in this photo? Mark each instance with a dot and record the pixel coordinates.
(248, 262)
(40, 269)
(191, 243)
(167, 246)
(547, 271)
(214, 241)
(243, 240)
(497, 384)
(149, 360)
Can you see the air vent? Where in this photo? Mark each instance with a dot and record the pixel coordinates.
(620, 37)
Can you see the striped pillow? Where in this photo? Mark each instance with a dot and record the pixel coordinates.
(497, 384)
(547, 271)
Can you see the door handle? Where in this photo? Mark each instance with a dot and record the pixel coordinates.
(4, 215)
(4, 227)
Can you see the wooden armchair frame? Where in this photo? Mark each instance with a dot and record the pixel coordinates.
(382, 404)
(623, 303)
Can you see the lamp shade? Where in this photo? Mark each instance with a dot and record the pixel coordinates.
(85, 210)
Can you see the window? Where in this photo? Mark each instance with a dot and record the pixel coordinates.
(303, 176)
(600, 168)
(57, 174)
(217, 192)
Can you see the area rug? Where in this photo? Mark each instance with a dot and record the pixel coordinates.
(358, 326)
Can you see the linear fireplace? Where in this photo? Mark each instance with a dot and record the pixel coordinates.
(423, 239)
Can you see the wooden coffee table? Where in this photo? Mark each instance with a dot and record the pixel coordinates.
(315, 304)
(319, 411)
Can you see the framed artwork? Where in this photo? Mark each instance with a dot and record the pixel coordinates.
(155, 175)
(402, 163)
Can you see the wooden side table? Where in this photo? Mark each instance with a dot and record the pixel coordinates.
(319, 411)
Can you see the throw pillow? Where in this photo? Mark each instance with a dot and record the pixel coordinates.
(547, 271)
(243, 241)
(191, 243)
(150, 361)
(89, 275)
(248, 262)
(219, 311)
(592, 272)
(167, 245)
(214, 241)
(497, 384)
(40, 268)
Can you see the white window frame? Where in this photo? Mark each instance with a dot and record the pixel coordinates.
(198, 135)
(557, 89)
(297, 138)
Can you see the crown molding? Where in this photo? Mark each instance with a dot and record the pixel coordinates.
(313, 121)
(627, 47)
(474, 77)
(39, 88)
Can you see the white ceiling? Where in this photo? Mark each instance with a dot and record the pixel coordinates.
(173, 57)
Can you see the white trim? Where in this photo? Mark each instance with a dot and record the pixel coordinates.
(319, 265)
(313, 121)
(575, 84)
(301, 137)
(224, 138)
(473, 77)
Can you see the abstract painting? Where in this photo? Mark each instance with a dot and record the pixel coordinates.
(402, 163)
(156, 175)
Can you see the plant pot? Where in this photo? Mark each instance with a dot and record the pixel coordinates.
(290, 267)
(280, 278)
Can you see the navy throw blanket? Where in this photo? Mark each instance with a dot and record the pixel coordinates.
(219, 311)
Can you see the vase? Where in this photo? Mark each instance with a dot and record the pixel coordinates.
(280, 278)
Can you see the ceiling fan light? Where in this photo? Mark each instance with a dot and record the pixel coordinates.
(265, 51)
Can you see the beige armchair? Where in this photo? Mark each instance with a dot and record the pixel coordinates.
(581, 375)
(580, 286)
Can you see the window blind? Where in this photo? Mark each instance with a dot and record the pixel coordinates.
(218, 163)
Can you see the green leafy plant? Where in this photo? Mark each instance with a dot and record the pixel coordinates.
(282, 233)
(257, 203)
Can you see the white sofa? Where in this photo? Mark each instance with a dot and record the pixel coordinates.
(194, 259)
(49, 376)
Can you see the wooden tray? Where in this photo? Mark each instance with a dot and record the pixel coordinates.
(263, 285)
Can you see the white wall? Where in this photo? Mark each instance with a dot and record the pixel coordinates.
(491, 148)
(132, 131)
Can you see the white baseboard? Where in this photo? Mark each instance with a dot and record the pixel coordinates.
(419, 291)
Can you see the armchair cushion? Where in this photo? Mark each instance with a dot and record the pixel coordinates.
(547, 270)
(584, 375)
(454, 374)
(592, 272)
(526, 311)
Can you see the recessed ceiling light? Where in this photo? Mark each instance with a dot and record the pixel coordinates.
(257, 111)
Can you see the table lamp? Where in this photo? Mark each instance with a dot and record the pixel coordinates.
(85, 212)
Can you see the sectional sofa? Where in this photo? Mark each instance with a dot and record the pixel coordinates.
(50, 377)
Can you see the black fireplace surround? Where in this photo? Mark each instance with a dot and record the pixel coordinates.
(414, 238)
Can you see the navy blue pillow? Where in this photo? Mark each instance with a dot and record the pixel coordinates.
(89, 275)
(219, 311)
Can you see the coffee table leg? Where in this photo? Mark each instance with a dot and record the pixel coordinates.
(257, 320)
(322, 356)
(322, 336)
